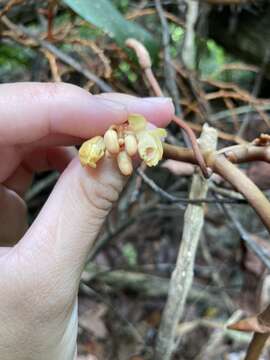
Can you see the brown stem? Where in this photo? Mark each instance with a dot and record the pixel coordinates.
(153, 82)
(256, 346)
(178, 153)
(245, 186)
(50, 17)
(236, 154)
(194, 144)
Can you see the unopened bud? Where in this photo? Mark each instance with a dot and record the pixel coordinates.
(131, 145)
(124, 162)
(111, 141)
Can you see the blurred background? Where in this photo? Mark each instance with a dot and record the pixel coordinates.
(213, 58)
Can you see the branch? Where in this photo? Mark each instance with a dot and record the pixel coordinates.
(236, 154)
(189, 46)
(169, 69)
(182, 276)
(245, 186)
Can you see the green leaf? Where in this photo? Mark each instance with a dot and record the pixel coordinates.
(105, 16)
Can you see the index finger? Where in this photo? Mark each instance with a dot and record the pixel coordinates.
(33, 111)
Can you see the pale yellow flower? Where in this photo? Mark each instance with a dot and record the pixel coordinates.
(131, 145)
(92, 151)
(111, 141)
(137, 122)
(149, 141)
(124, 163)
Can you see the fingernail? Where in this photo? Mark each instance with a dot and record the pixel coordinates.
(159, 100)
(114, 105)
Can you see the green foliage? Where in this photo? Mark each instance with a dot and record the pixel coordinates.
(177, 36)
(177, 33)
(122, 5)
(212, 58)
(130, 253)
(125, 69)
(14, 57)
(105, 16)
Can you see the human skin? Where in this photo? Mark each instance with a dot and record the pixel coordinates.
(41, 266)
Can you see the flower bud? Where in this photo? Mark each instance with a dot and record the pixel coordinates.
(111, 141)
(131, 146)
(150, 147)
(124, 162)
(92, 151)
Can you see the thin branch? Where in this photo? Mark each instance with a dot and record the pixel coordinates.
(259, 251)
(236, 154)
(256, 346)
(144, 284)
(189, 46)
(255, 91)
(245, 186)
(169, 70)
(9, 6)
(41, 185)
(178, 200)
(182, 276)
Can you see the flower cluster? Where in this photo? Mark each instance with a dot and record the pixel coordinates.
(125, 141)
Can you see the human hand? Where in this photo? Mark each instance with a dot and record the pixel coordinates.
(41, 267)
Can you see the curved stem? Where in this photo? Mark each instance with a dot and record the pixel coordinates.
(256, 346)
(245, 186)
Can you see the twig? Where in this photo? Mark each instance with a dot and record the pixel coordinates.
(255, 92)
(259, 251)
(50, 16)
(21, 30)
(53, 66)
(237, 154)
(189, 46)
(9, 6)
(182, 276)
(142, 283)
(245, 186)
(101, 242)
(41, 185)
(169, 70)
(216, 278)
(175, 199)
(256, 346)
(99, 52)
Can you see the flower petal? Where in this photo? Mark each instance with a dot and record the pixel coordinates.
(149, 147)
(161, 133)
(92, 151)
(137, 122)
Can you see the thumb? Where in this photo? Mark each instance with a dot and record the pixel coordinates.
(59, 240)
